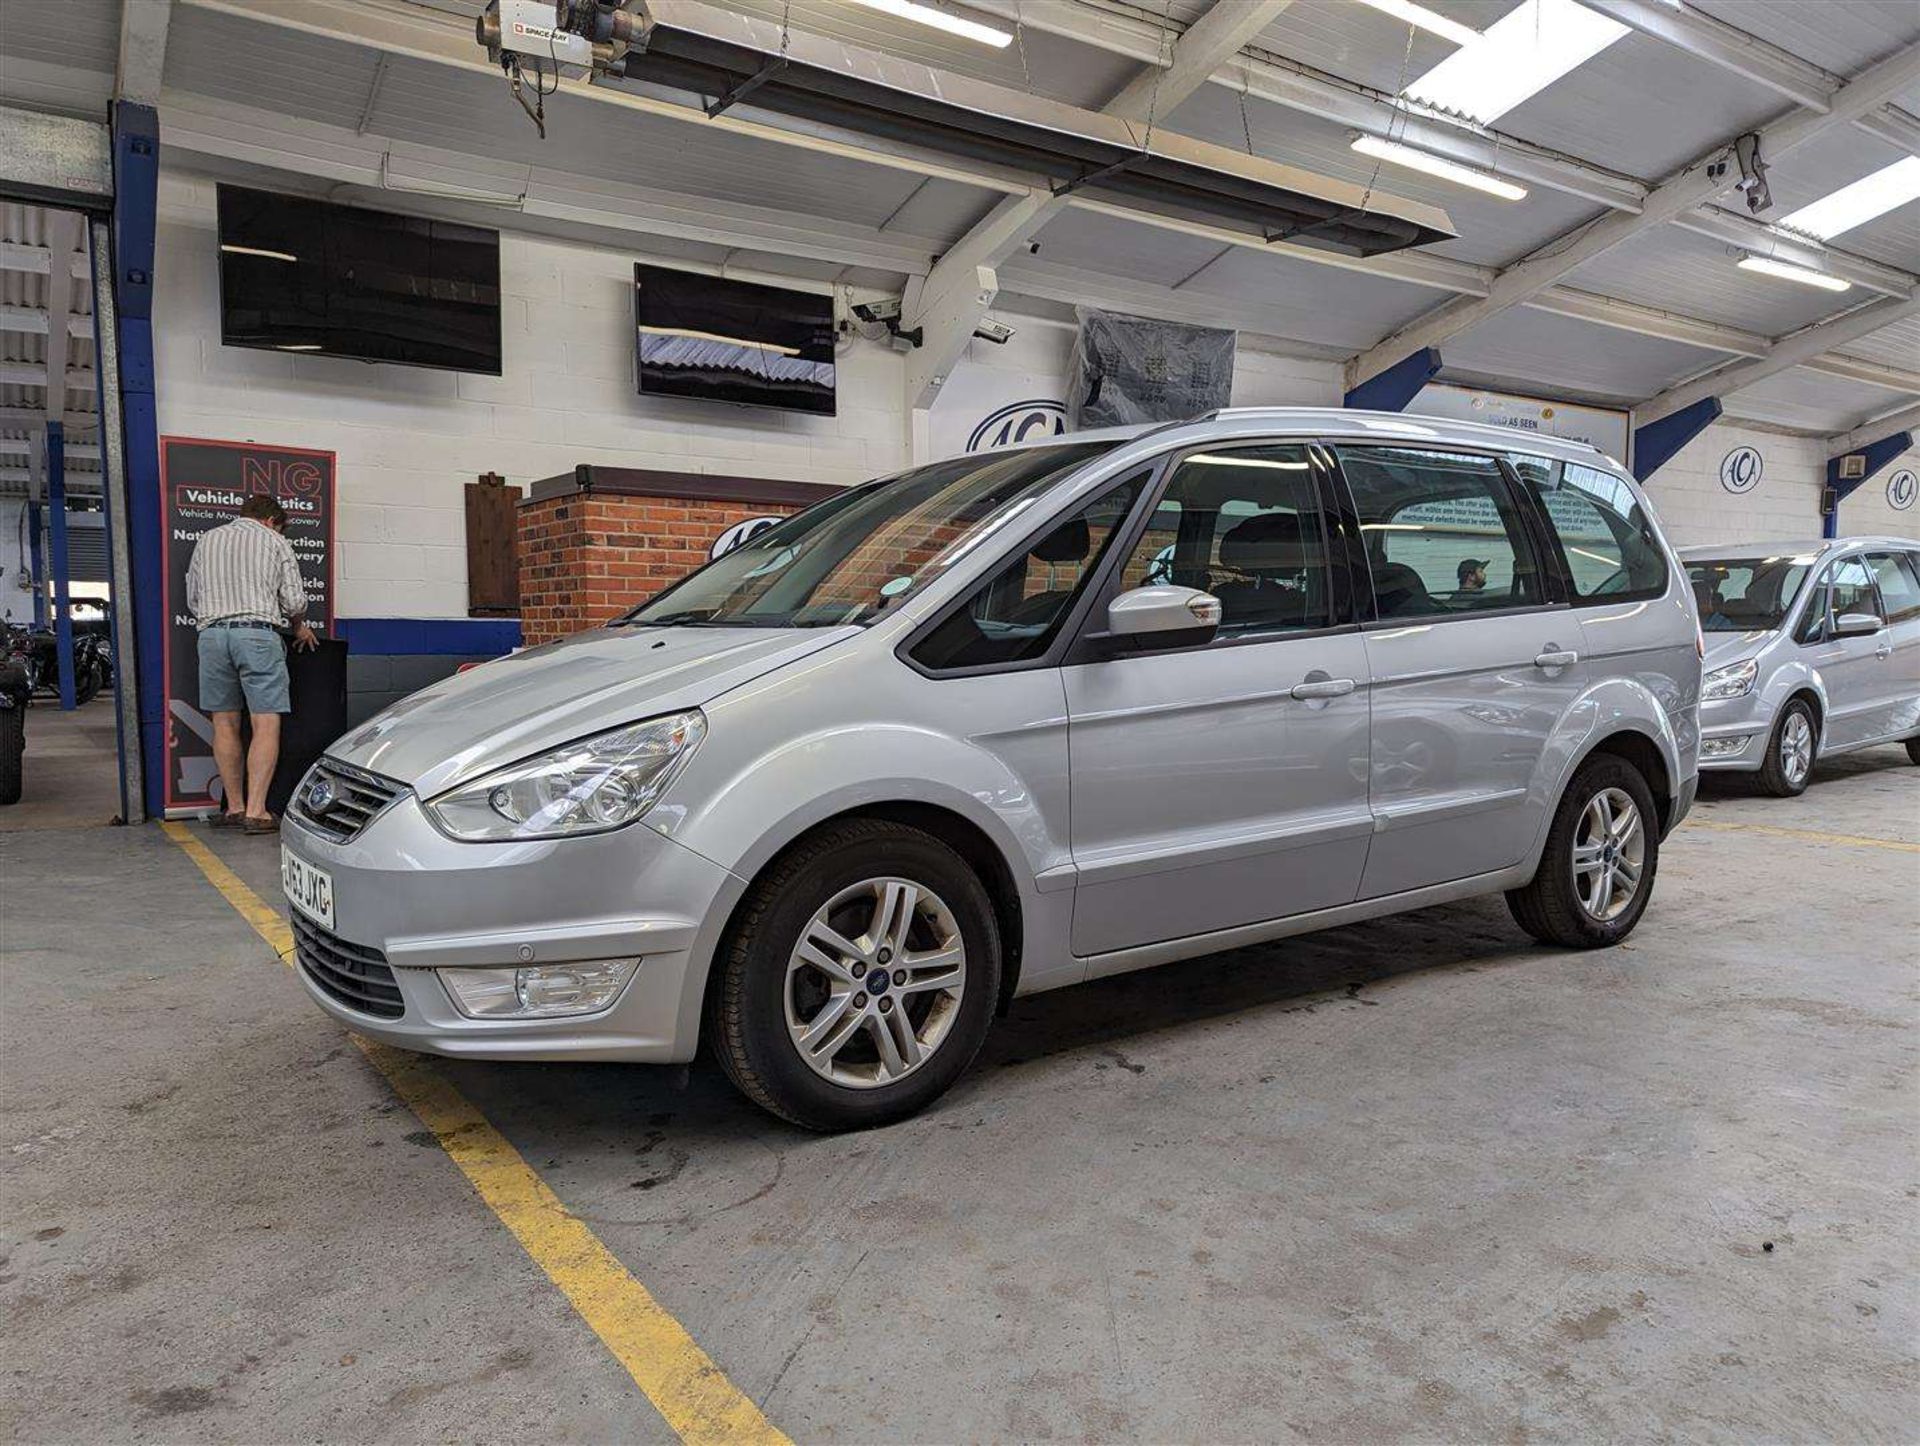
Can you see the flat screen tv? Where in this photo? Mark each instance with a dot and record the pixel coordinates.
(302, 275)
(733, 341)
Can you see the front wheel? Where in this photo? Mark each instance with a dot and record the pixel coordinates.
(1790, 751)
(1596, 873)
(859, 980)
(13, 746)
(1913, 750)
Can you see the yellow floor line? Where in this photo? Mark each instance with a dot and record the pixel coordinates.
(682, 1381)
(1811, 835)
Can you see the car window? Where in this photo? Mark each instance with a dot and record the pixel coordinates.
(1899, 582)
(1845, 587)
(1443, 532)
(1604, 533)
(1244, 524)
(1015, 615)
(1746, 594)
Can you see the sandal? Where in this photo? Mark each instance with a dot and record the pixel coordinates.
(269, 824)
(223, 819)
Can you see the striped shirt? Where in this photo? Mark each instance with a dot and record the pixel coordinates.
(244, 571)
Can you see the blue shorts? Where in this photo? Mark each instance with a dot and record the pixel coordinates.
(239, 664)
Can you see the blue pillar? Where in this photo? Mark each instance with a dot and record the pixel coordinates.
(1655, 443)
(1878, 454)
(37, 564)
(1392, 389)
(136, 179)
(62, 567)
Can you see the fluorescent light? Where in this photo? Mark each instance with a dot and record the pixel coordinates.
(1855, 205)
(1427, 20)
(940, 20)
(298, 346)
(1519, 55)
(257, 251)
(1398, 155)
(1802, 274)
(691, 335)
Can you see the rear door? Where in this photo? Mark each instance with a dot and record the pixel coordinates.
(1473, 662)
(1896, 573)
(1224, 784)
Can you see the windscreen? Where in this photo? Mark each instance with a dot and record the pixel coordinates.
(849, 558)
(1746, 594)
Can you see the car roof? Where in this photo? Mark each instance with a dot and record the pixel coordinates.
(1819, 545)
(1339, 423)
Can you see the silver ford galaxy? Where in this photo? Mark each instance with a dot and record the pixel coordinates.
(1010, 722)
(1813, 650)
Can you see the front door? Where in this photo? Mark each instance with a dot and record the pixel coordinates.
(1896, 572)
(1852, 669)
(1223, 785)
(1472, 669)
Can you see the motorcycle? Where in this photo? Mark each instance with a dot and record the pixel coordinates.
(38, 650)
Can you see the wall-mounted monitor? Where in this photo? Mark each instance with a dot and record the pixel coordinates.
(301, 275)
(733, 341)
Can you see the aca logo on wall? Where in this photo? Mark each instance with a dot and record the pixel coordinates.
(1018, 422)
(740, 532)
(1901, 487)
(1740, 469)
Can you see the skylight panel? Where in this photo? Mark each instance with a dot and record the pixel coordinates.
(1855, 205)
(1519, 55)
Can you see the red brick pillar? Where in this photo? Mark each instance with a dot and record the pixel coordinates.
(601, 540)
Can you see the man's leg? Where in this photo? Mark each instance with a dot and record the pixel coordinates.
(263, 755)
(226, 753)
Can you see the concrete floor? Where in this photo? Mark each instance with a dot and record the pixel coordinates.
(1416, 1179)
(70, 775)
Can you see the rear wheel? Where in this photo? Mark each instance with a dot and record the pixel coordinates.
(1913, 750)
(13, 745)
(1596, 873)
(860, 978)
(1791, 749)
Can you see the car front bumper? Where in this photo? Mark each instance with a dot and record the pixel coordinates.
(428, 903)
(1733, 733)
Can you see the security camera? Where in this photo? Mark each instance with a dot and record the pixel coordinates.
(886, 309)
(996, 332)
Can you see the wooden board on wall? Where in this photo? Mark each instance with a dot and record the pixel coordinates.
(493, 568)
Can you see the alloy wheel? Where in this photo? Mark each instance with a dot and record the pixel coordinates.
(873, 987)
(1796, 747)
(1609, 854)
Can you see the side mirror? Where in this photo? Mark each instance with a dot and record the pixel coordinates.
(1164, 616)
(1856, 625)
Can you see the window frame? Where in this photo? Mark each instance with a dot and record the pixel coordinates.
(1897, 555)
(1154, 471)
(1559, 563)
(1812, 631)
(1520, 498)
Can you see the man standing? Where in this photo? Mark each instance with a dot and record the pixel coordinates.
(242, 585)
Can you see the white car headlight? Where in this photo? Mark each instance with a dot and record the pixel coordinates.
(1733, 681)
(592, 785)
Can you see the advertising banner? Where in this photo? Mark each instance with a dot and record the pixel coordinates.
(1596, 426)
(203, 485)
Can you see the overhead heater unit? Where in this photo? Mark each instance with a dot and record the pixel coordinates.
(728, 59)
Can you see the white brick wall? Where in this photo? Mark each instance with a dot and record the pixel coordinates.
(1785, 506)
(409, 439)
(1866, 512)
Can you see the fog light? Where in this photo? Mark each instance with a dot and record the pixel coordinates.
(540, 991)
(1724, 747)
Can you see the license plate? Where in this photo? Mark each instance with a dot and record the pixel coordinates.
(309, 890)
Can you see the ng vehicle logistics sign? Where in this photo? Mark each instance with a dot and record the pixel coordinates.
(203, 485)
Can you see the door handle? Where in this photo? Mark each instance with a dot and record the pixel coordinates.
(1553, 657)
(1324, 687)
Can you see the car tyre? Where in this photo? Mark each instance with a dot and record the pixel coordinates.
(1913, 750)
(13, 746)
(1554, 907)
(767, 998)
(1792, 749)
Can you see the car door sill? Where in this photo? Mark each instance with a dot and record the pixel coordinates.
(1145, 956)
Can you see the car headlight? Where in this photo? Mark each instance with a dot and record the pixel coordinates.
(592, 785)
(1732, 681)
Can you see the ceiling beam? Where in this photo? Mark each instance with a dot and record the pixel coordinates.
(143, 49)
(32, 321)
(1726, 46)
(954, 298)
(1685, 191)
(1790, 351)
(1799, 250)
(1895, 126)
(1907, 419)
(1868, 373)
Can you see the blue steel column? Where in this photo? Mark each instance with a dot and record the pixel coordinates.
(1392, 389)
(1655, 444)
(136, 181)
(62, 564)
(37, 564)
(1878, 454)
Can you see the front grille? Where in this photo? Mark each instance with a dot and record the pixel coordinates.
(350, 974)
(352, 798)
